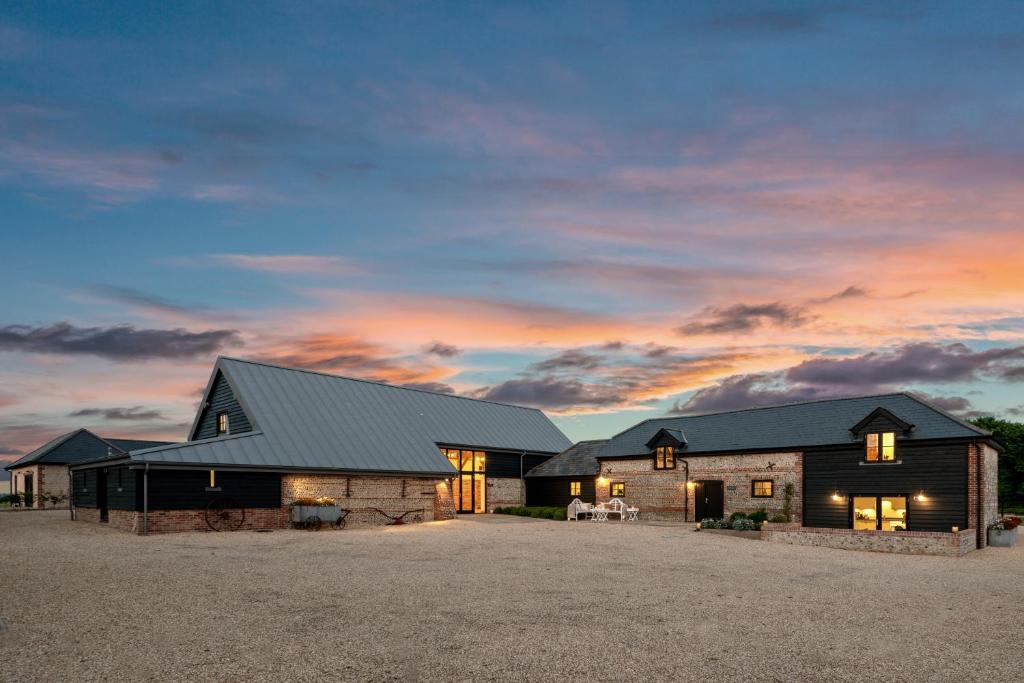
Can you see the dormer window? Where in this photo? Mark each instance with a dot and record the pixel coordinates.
(664, 458)
(222, 423)
(881, 446)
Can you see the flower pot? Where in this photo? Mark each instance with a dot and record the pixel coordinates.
(1002, 538)
(327, 514)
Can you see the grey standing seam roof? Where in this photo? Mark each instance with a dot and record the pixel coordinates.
(79, 445)
(579, 460)
(797, 425)
(310, 420)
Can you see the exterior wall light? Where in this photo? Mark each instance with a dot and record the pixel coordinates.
(837, 497)
(921, 498)
(691, 485)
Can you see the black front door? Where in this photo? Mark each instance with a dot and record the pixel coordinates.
(101, 493)
(710, 500)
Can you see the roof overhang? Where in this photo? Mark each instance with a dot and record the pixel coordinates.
(667, 436)
(904, 426)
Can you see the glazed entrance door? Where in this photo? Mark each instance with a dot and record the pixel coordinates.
(470, 486)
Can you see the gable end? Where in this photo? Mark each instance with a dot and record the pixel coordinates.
(221, 399)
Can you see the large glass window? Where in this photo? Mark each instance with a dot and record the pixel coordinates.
(883, 513)
(664, 458)
(470, 487)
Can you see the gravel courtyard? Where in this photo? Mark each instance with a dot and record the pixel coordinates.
(494, 598)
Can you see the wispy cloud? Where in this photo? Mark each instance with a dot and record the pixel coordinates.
(287, 263)
(132, 414)
(118, 343)
(741, 318)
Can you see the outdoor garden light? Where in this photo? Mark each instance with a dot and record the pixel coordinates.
(956, 530)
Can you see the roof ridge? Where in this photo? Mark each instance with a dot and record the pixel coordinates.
(378, 383)
(854, 397)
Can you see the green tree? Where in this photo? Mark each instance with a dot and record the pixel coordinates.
(1011, 461)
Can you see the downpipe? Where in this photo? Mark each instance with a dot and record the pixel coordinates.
(145, 501)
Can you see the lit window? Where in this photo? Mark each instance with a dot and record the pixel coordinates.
(872, 448)
(618, 489)
(889, 446)
(880, 513)
(574, 488)
(761, 488)
(664, 458)
(881, 446)
(222, 423)
(213, 479)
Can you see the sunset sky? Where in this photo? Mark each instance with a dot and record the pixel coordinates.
(611, 211)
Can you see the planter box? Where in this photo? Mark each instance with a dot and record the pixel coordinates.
(1002, 538)
(328, 514)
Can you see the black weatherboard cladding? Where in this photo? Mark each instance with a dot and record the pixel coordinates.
(222, 400)
(554, 491)
(123, 489)
(84, 492)
(938, 470)
(187, 489)
(507, 464)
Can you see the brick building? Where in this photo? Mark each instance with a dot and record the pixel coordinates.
(871, 466)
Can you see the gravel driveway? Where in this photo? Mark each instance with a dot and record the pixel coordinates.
(493, 598)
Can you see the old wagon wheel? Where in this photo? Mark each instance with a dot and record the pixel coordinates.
(225, 514)
(313, 523)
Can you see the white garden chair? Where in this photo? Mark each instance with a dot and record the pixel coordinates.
(577, 507)
(617, 507)
(600, 513)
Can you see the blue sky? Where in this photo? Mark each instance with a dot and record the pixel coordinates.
(607, 210)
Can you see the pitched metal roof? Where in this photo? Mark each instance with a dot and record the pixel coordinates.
(579, 460)
(797, 425)
(310, 420)
(78, 446)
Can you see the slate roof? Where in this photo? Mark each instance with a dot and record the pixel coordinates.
(796, 425)
(80, 445)
(579, 460)
(310, 420)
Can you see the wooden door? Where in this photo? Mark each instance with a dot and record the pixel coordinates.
(710, 500)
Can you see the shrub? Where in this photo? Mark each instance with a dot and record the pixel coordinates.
(322, 501)
(787, 498)
(779, 519)
(759, 516)
(737, 515)
(744, 524)
(499, 511)
(711, 523)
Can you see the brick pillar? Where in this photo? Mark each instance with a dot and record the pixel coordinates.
(976, 492)
(444, 504)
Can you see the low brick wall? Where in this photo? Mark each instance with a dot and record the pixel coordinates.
(906, 542)
(173, 521)
(503, 492)
(393, 495)
(87, 515)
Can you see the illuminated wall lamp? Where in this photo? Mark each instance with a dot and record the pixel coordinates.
(691, 485)
(921, 498)
(838, 497)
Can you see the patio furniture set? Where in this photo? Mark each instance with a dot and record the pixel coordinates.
(599, 513)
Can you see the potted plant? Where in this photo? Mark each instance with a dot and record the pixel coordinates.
(323, 508)
(1003, 533)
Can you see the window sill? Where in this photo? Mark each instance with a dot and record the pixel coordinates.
(880, 463)
(212, 489)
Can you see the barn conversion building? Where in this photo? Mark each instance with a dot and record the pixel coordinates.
(41, 476)
(265, 436)
(859, 468)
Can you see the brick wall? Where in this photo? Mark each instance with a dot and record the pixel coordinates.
(975, 491)
(393, 495)
(503, 492)
(87, 515)
(663, 494)
(444, 502)
(991, 466)
(50, 480)
(905, 542)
